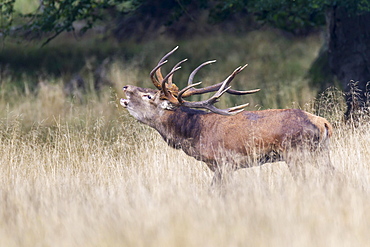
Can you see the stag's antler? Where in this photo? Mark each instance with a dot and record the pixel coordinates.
(171, 92)
(222, 87)
(190, 90)
(156, 74)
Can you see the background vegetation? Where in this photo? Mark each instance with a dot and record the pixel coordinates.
(85, 173)
(77, 170)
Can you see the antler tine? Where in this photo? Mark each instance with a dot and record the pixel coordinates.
(236, 92)
(169, 75)
(190, 82)
(228, 111)
(221, 88)
(176, 66)
(157, 69)
(208, 104)
(179, 96)
(191, 77)
(169, 96)
(220, 91)
(231, 77)
(193, 91)
(228, 80)
(158, 72)
(168, 54)
(226, 83)
(155, 81)
(238, 108)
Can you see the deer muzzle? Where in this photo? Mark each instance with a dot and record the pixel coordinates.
(124, 102)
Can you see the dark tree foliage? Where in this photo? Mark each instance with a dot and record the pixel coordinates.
(6, 14)
(346, 54)
(298, 17)
(150, 16)
(347, 49)
(54, 17)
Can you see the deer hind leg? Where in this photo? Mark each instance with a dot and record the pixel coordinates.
(217, 178)
(301, 160)
(323, 161)
(222, 175)
(326, 167)
(320, 157)
(295, 159)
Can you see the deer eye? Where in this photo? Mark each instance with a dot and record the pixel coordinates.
(147, 96)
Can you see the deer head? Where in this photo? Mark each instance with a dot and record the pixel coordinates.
(145, 104)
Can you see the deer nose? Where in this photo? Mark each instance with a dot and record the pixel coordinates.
(124, 88)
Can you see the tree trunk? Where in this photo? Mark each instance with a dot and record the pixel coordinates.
(349, 56)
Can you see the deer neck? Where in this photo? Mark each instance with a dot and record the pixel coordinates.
(181, 128)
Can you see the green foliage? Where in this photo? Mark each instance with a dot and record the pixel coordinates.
(6, 16)
(294, 16)
(54, 17)
(26, 6)
(298, 16)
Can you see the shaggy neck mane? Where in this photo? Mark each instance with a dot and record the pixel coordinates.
(182, 127)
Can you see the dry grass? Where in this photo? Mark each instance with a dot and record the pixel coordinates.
(83, 173)
(89, 175)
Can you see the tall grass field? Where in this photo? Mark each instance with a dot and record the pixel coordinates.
(82, 172)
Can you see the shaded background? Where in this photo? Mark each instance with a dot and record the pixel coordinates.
(295, 49)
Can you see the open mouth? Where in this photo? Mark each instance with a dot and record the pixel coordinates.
(124, 102)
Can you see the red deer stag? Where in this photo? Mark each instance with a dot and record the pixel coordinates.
(231, 137)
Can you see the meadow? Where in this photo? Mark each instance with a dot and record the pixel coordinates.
(82, 172)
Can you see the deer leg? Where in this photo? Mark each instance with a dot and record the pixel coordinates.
(222, 175)
(296, 170)
(328, 171)
(217, 178)
(295, 165)
(322, 160)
